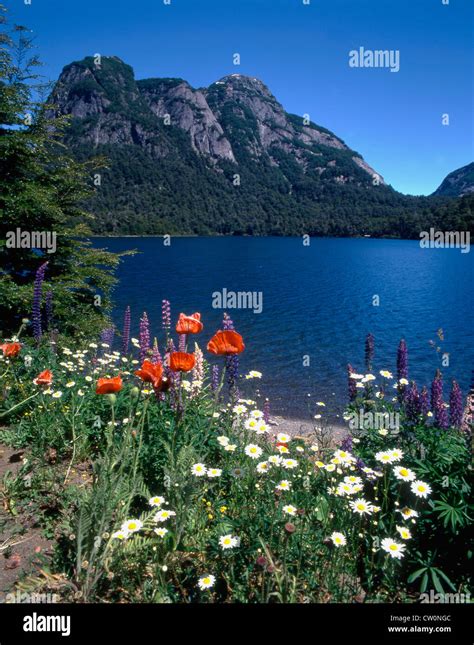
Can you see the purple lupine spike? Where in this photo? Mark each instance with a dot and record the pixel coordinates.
(266, 411)
(182, 343)
(351, 384)
(456, 406)
(37, 297)
(402, 360)
(49, 309)
(437, 404)
(424, 401)
(107, 336)
(166, 314)
(227, 322)
(215, 377)
(127, 319)
(156, 356)
(412, 402)
(198, 370)
(144, 337)
(369, 351)
(468, 414)
(346, 444)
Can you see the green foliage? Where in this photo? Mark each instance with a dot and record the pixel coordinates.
(42, 188)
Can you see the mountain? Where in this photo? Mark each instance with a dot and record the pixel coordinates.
(458, 183)
(226, 159)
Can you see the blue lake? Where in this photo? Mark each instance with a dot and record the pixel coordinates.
(317, 303)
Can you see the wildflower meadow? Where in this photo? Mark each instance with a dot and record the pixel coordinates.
(158, 477)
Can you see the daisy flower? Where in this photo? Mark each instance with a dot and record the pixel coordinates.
(290, 509)
(397, 454)
(253, 374)
(199, 470)
(262, 427)
(132, 526)
(384, 457)
(343, 456)
(283, 438)
(394, 549)
(284, 485)
(330, 467)
(120, 535)
(361, 506)
(161, 531)
(251, 424)
(256, 414)
(263, 467)
(70, 383)
(231, 447)
(404, 532)
(289, 464)
(206, 582)
(239, 409)
(420, 488)
(275, 459)
(223, 441)
(338, 539)
(57, 395)
(253, 451)
(403, 473)
(408, 512)
(386, 374)
(214, 472)
(156, 501)
(229, 541)
(283, 449)
(163, 515)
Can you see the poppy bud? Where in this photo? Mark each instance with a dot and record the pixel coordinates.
(261, 561)
(289, 527)
(134, 392)
(112, 398)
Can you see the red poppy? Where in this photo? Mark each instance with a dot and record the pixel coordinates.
(44, 378)
(109, 385)
(10, 350)
(182, 362)
(225, 343)
(150, 373)
(189, 324)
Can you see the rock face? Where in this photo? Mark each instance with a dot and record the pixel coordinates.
(227, 158)
(458, 183)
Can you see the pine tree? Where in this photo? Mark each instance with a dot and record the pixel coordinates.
(42, 189)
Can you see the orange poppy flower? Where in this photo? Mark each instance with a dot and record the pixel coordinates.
(44, 378)
(182, 362)
(225, 343)
(10, 350)
(150, 373)
(189, 324)
(109, 385)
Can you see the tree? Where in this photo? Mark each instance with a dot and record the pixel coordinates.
(42, 189)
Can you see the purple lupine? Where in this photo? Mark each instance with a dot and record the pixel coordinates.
(37, 297)
(468, 414)
(182, 343)
(402, 360)
(346, 444)
(424, 401)
(215, 377)
(107, 336)
(231, 362)
(144, 337)
(351, 384)
(369, 351)
(49, 309)
(166, 314)
(156, 356)
(198, 370)
(455, 406)
(437, 404)
(266, 411)
(412, 402)
(127, 319)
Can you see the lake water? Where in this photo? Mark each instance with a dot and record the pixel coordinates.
(317, 303)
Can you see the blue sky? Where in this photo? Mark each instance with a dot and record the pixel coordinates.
(301, 52)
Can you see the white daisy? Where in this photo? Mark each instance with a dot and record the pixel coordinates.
(199, 470)
(253, 451)
(421, 489)
(206, 582)
(403, 473)
(338, 539)
(290, 509)
(394, 549)
(229, 541)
